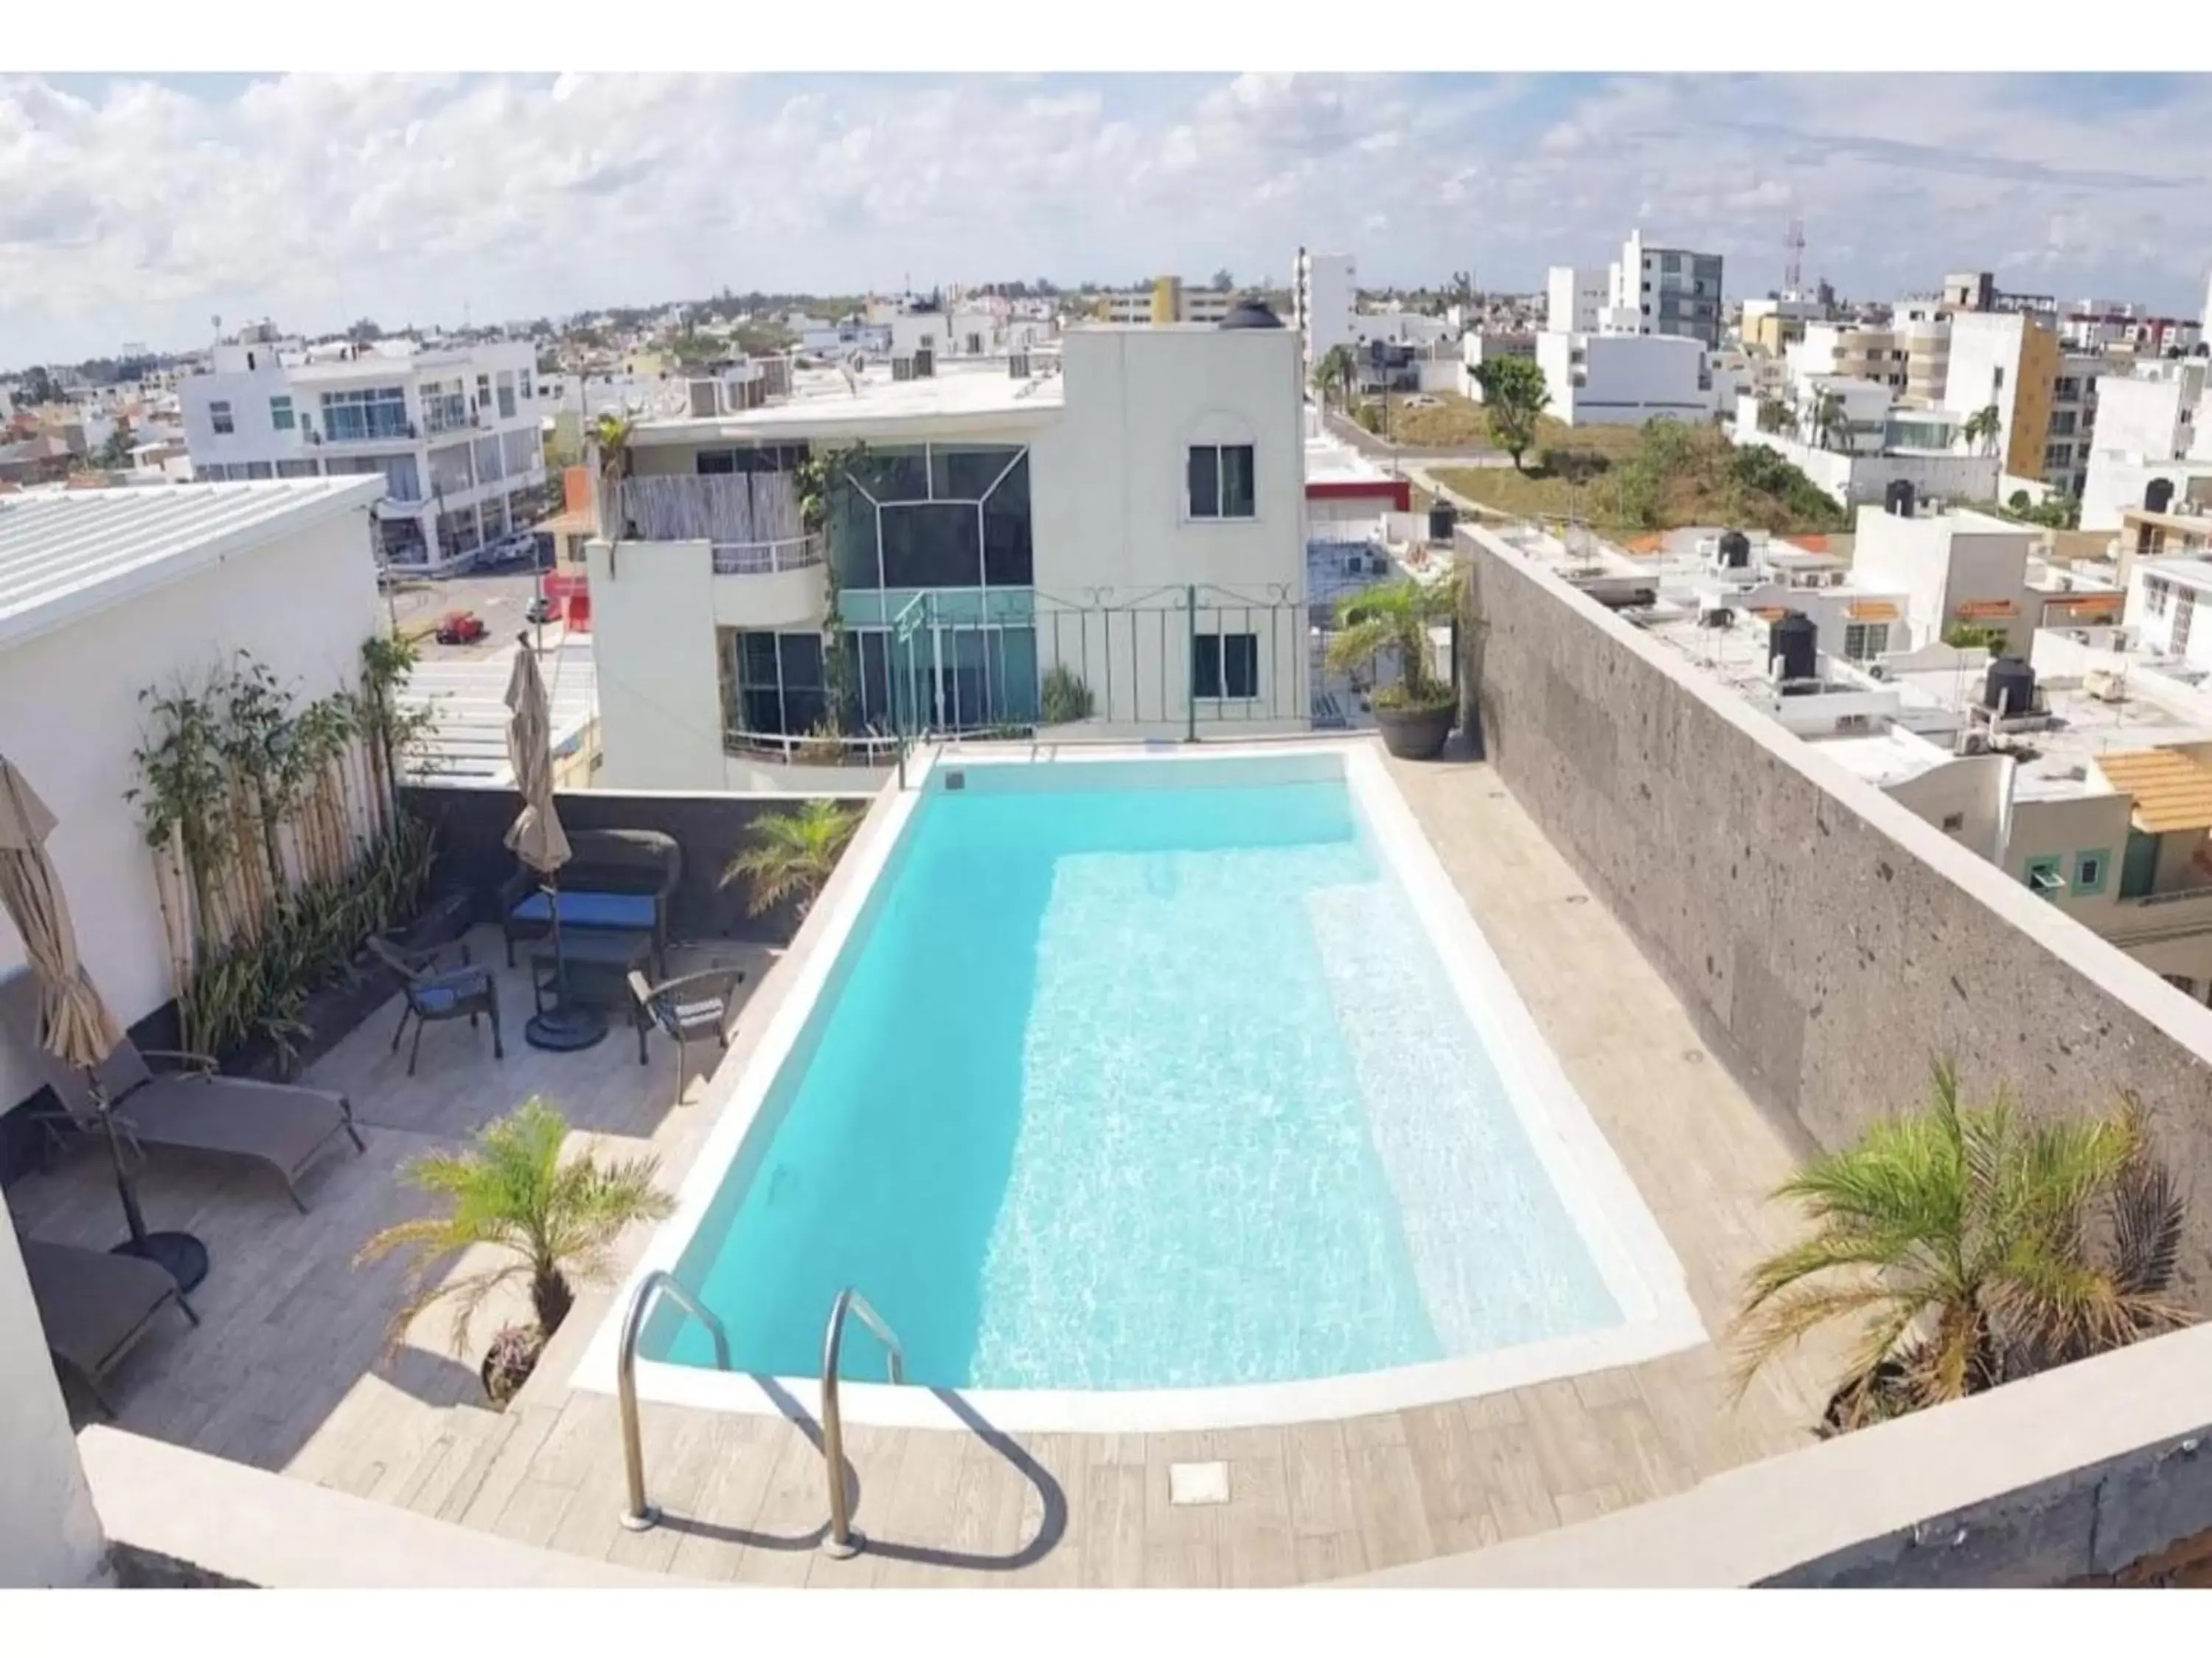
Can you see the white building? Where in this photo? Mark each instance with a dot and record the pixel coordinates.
(1573, 297)
(1872, 441)
(1477, 346)
(2149, 423)
(997, 525)
(452, 432)
(1664, 290)
(1625, 380)
(1166, 302)
(1324, 294)
(104, 594)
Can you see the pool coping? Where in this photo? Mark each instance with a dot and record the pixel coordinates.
(1632, 1255)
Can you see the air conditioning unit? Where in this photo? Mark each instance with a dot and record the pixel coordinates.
(1017, 365)
(902, 367)
(706, 399)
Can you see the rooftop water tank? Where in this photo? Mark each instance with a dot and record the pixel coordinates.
(1443, 517)
(2009, 690)
(2158, 495)
(1897, 499)
(1736, 551)
(1796, 642)
(1251, 313)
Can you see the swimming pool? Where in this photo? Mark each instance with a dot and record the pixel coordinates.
(1146, 1079)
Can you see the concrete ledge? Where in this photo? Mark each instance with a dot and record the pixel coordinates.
(176, 1518)
(2036, 1484)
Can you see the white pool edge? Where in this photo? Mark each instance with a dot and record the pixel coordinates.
(1638, 1266)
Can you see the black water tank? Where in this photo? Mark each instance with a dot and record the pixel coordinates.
(1897, 499)
(2009, 690)
(1796, 641)
(1735, 549)
(1443, 518)
(2158, 495)
(1251, 313)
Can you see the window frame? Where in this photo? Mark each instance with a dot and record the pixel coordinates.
(2043, 875)
(1220, 640)
(1221, 514)
(285, 418)
(221, 417)
(2092, 869)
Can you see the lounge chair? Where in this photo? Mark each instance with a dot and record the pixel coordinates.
(430, 995)
(194, 1107)
(696, 1005)
(96, 1307)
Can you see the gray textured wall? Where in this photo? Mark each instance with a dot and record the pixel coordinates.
(1827, 942)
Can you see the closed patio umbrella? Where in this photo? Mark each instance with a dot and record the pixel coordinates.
(536, 836)
(74, 1023)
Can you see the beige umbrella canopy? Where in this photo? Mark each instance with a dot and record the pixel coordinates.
(74, 1023)
(535, 836)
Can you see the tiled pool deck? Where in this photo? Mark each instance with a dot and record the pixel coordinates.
(281, 1373)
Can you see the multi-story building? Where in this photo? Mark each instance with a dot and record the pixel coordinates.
(2096, 324)
(1167, 300)
(2046, 398)
(454, 432)
(1324, 294)
(1664, 290)
(1135, 522)
(1855, 439)
(1625, 380)
(1574, 296)
(1910, 355)
(2151, 424)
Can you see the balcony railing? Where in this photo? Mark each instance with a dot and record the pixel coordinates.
(766, 558)
(813, 750)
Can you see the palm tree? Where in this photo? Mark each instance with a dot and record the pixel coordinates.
(1972, 1246)
(1828, 419)
(1337, 368)
(554, 1218)
(791, 854)
(1982, 427)
(611, 445)
(1773, 414)
(1394, 616)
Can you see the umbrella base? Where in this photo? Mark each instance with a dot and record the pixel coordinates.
(180, 1254)
(566, 1027)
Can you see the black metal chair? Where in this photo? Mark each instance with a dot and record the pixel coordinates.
(688, 1008)
(432, 994)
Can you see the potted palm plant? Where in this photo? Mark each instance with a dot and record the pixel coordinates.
(1973, 1246)
(791, 854)
(1416, 711)
(552, 1219)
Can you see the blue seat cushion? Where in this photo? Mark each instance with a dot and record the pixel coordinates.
(435, 999)
(632, 910)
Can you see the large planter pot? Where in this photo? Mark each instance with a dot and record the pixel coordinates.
(1416, 734)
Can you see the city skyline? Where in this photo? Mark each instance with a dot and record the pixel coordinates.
(140, 208)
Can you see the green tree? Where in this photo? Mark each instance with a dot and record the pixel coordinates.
(1970, 1246)
(610, 466)
(36, 388)
(1337, 368)
(554, 1219)
(791, 854)
(1774, 415)
(1829, 420)
(1513, 399)
(1222, 281)
(1396, 617)
(115, 452)
(1981, 428)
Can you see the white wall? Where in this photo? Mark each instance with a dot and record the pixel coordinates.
(1108, 485)
(50, 1535)
(1853, 480)
(70, 719)
(1323, 311)
(1572, 298)
(1940, 565)
(652, 649)
(1628, 379)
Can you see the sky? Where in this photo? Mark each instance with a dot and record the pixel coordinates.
(138, 209)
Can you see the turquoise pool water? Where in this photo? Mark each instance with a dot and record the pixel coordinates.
(1130, 1076)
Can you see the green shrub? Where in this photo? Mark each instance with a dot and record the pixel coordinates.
(1066, 698)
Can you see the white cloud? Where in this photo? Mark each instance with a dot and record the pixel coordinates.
(137, 209)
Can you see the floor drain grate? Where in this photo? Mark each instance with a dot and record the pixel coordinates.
(1193, 1483)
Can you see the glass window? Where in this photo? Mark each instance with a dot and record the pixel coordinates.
(959, 473)
(371, 412)
(1221, 481)
(1008, 558)
(526, 393)
(2043, 877)
(281, 417)
(893, 474)
(2089, 870)
(449, 470)
(1225, 665)
(506, 396)
(932, 544)
(219, 414)
(256, 471)
(778, 682)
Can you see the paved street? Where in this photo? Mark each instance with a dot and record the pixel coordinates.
(498, 598)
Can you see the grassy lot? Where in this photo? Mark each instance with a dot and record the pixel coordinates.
(1664, 476)
(1457, 423)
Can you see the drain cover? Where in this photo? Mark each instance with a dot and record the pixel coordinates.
(1193, 1483)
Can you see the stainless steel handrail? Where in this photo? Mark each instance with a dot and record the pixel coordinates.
(640, 1515)
(844, 1542)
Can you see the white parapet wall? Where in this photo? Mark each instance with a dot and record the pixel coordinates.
(50, 1537)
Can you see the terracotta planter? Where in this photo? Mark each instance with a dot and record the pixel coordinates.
(1415, 734)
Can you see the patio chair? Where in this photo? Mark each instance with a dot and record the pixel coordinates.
(687, 1008)
(194, 1107)
(430, 994)
(96, 1307)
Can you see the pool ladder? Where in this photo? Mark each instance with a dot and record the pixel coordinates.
(842, 1542)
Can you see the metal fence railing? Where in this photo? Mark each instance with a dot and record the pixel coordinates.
(766, 558)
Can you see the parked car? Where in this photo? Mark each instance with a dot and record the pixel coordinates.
(540, 610)
(460, 627)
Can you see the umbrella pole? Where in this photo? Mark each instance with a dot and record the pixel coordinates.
(183, 1256)
(568, 1025)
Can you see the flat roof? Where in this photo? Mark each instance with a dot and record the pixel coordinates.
(65, 554)
(823, 401)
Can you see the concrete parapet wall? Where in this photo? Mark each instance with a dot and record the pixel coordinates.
(1827, 942)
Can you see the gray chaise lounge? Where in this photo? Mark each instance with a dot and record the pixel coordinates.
(196, 1108)
(96, 1307)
